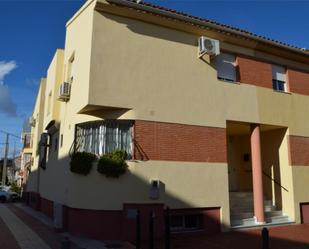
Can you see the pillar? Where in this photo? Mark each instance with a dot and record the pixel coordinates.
(257, 173)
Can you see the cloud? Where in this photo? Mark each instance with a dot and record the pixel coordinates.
(7, 105)
(6, 68)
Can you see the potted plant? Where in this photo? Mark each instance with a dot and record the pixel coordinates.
(113, 164)
(81, 162)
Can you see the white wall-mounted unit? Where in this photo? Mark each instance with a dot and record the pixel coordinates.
(154, 189)
(208, 46)
(64, 93)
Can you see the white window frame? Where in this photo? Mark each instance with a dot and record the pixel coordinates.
(279, 77)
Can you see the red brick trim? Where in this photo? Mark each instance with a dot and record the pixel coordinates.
(298, 81)
(47, 207)
(298, 150)
(304, 212)
(254, 72)
(94, 224)
(33, 200)
(179, 142)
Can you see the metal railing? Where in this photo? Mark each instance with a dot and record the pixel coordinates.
(276, 182)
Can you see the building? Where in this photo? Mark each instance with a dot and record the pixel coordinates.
(9, 168)
(26, 152)
(221, 137)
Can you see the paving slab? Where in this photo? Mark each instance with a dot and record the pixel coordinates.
(25, 237)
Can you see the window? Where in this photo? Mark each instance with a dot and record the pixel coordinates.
(101, 137)
(225, 65)
(279, 78)
(49, 102)
(71, 69)
(61, 140)
(56, 144)
(186, 222)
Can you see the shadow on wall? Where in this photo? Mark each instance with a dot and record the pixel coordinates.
(143, 28)
(130, 192)
(271, 142)
(201, 232)
(120, 225)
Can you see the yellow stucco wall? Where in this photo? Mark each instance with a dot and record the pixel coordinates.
(38, 115)
(153, 73)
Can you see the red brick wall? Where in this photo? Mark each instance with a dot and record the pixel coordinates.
(298, 81)
(299, 150)
(47, 207)
(34, 200)
(304, 212)
(94, 224)
(178, 142)
(254, 72)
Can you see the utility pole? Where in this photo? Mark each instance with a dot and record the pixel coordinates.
(5, 160)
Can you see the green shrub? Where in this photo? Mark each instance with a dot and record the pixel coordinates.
(113, 164)
(81, 162)
(15, 188)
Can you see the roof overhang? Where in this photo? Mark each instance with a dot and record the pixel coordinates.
(195, 25)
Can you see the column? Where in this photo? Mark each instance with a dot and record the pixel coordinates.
(257, 174)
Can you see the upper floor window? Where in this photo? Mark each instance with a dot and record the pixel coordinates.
(279, 78)
(226, 67)
(49, 103)
(101, 137)
(71, 69)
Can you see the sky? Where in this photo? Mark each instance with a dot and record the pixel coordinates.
(31, 31)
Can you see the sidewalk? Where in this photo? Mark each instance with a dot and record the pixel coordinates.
(21, 227)
(281, 237)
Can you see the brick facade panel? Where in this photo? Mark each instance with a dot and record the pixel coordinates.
(254, 72)
(299, 150)
(178, 142)
(298, 81)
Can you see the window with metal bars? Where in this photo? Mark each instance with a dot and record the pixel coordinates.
(101, 137)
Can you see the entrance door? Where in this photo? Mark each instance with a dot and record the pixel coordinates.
(231, 167)
(232, 178)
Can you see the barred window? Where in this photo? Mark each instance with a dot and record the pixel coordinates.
(101, 137)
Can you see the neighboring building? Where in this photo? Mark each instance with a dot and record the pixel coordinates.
(223, 138)
(18, 172)
(26, 152)
(9, 169)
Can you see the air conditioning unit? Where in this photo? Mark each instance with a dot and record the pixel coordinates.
(208, 46)
(65, 89)
(32, 121)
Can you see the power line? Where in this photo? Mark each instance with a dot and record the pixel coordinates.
(13, 135)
